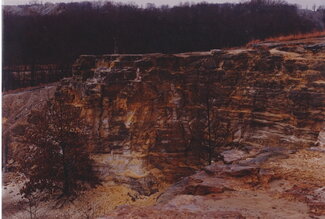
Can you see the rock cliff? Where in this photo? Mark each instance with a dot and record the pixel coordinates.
(154, 118)
(165, 110)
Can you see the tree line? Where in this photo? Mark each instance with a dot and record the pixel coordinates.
(86, 28)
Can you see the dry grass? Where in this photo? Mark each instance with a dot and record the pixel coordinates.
(290, 37)
(297, 36)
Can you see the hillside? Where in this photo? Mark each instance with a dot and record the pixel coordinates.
(38, 34)
(155, 116)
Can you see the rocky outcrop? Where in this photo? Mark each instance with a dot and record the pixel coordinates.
(156, 117)
(165, 110)
(281, 188)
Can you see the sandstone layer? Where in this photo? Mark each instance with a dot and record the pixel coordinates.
(153, 118)
(161, 112)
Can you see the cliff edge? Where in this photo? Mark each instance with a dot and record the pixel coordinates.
(155, 117)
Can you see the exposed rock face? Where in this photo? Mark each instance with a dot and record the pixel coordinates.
(159, 106)
(153, 116)
(278, 188)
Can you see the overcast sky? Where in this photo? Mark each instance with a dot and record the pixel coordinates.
(302, 3)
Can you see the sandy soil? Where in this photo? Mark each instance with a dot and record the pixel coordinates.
(91, 204)
(297, 190)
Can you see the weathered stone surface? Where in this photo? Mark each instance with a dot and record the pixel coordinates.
(149, 114)
(216, 178)
(233, 155)
(271, 189)
(156, 104)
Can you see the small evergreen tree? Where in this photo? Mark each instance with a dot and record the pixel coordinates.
(56, 158)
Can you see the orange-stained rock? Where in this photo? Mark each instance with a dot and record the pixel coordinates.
(148, 119)
(148, 114)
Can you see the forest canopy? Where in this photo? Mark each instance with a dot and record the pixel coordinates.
(87, 28)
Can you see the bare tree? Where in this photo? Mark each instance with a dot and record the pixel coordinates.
(32, 202)
(217, 133)
(56, 158)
